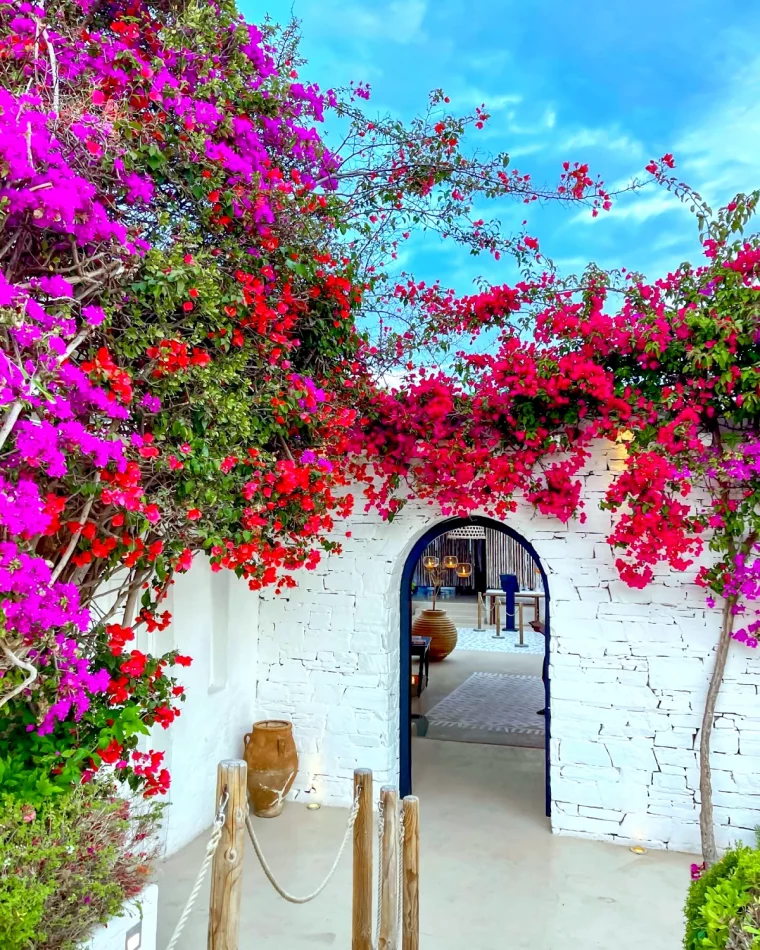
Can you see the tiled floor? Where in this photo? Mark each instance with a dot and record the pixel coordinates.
(507, 642)
(492, 876)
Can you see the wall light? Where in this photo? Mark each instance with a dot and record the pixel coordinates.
(638, 849)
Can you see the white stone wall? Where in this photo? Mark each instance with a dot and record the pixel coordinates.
(628, 673)
(215, 621)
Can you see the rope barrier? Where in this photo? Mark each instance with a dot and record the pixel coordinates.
(380, 830)
(399, 873)
(213, 844)
(286, 895)
(216, 837)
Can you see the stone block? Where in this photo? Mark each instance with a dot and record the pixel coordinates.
(645, 827)
(736, 698)
(682, 758)
(728, 741)
(594, 594)
(585, 827)
(676, 738)
(368, 699)
(574, 728)
(682, 673)
(583, 752)
(632, 754)
(289, 671)
(602, 814)
(577, 793)
(670, 783)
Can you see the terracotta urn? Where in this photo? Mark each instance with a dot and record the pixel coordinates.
(270, 752)
(437, 625)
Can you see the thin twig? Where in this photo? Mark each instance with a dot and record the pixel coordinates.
(21, 664)
(72, 545)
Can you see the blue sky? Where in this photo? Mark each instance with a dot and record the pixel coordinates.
(612, 83)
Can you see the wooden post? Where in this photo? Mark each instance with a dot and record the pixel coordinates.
(389, 870)
(411, 915)
(497, 608)
(227, 869)
(362, 906)
(480, 612)
(520, 607)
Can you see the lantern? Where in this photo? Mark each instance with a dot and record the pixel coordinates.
(429, 562)
(464, 569)
(450, 562)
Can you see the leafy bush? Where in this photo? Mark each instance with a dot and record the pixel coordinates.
(723, 906)
(70, 865)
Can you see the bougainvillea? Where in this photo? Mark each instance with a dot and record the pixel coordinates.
(182, 260)
(183, 264)
(672, 368)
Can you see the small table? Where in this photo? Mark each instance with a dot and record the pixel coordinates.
(421, 648)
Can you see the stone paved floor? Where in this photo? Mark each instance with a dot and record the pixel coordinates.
(492, 876)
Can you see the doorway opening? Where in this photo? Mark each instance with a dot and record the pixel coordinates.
(475, 629)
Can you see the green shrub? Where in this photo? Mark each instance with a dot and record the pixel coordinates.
(723, 906)
(70, 865)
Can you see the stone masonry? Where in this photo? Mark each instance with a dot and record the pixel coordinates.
(629, 672)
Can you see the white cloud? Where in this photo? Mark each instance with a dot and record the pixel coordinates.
(636, 209)
(522, 150)
(721, 155)
(468, 96)
(398, 20)
(609, 139)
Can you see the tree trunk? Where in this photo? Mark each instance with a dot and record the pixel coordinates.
(706, 826)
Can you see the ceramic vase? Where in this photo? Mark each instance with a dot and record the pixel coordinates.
(272, 759)
(437, 625)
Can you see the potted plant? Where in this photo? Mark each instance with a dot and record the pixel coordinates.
(434, 622)
(73, 862)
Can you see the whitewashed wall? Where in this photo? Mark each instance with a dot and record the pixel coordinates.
(628, 674)
(215, 621)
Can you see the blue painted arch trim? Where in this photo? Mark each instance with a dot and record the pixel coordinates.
(405, 691)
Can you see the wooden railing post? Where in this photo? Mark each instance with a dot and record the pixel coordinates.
(362, 897)
(521, 642)
(480, 612)
(389, 870)
(227, 869)
(411, 885)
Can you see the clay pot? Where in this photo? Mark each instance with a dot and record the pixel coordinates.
(270, 753)
(437, 625)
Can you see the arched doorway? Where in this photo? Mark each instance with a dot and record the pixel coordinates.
(405, 688)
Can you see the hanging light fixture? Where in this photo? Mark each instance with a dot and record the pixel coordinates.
(450, 561)
(464, 569)
(429, 562)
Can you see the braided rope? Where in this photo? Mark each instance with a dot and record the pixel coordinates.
(213, 844)
(399, 873)
(286, 895)
(380, 888)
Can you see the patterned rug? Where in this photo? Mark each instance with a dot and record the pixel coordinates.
(470, 639)
(493, 708)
